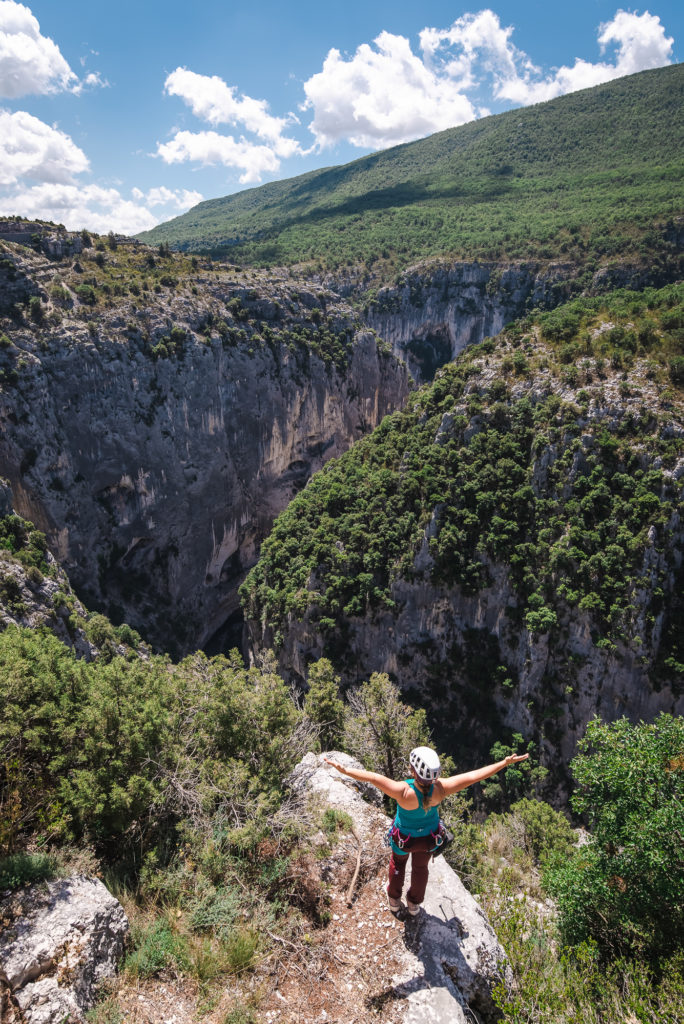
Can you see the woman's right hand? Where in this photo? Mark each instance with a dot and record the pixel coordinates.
(336, 764)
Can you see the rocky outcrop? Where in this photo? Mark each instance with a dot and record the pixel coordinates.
(32, 598)
(156, 462)
(450, 960)
(436, 311)
(58, 943)
(55, 241)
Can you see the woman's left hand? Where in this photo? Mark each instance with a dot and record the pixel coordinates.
(336, 764)
(514, 758)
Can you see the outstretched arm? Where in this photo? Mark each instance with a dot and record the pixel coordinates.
(387, 786)
(456, 783)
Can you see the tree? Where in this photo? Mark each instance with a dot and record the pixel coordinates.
(36, 310)
(323, 704)
(625, 888)
(380, 729)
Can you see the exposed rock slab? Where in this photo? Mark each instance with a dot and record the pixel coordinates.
(63, 940)
(451, 958)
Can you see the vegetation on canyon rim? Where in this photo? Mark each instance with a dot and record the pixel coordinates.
(226, 306)
(582, 178)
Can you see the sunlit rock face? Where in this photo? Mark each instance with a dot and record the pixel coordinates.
(435, 312)
(60, 942)
(155, 479)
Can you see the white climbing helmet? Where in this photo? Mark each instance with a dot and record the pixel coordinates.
(425, 763)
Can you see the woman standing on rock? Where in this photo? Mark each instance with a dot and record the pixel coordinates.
(416, 829)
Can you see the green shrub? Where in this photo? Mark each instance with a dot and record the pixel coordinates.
(109, 738)
(217, 911)
(240, 1015)
(677, 370)
(546, 831)
(380, 729)
(25, 868)
(553, 985)
(106, 1012)
(624, 889)
(336, 821)
(241, 949)
(157, 949)
(36, 310)
(323, 704)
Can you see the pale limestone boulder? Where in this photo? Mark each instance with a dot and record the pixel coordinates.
(451, 958)
(61, 941)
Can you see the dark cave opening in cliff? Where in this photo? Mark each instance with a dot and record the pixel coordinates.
(431, 351)
(228, 636)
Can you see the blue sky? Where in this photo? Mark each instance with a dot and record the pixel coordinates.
(122, 115)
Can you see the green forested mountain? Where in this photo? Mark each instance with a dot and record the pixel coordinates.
(462, 454)
(588, 174)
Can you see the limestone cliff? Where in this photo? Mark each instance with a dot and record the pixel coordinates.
(435, 311)
(516, 576)
(154, 441)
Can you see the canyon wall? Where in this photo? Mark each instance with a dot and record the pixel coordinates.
(434, 312)
(155, 478)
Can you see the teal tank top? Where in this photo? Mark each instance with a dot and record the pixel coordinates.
(419, 822)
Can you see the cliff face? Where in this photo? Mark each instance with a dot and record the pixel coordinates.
(435, 312)
(155, 474)
(442, 648)
(539, 585)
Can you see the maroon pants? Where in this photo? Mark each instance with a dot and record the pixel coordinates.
(419, 852)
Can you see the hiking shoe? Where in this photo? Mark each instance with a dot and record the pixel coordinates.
(413, 908)
(394, 905)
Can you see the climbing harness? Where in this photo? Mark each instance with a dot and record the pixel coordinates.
(394, 835)
(442, 837)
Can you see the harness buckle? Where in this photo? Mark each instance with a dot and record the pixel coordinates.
(396, 837)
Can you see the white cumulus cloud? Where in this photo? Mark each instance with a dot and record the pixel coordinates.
(180, 198)
(80, 206)
(386, 94)
(383, 95)
(29, 61)
(212, 148)
(476, 48)
(31, 149)
(213, 101)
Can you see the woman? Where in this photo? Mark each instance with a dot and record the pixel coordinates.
(416, 829)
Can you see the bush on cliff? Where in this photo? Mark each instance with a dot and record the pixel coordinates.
(624, 889)
(112, 751)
